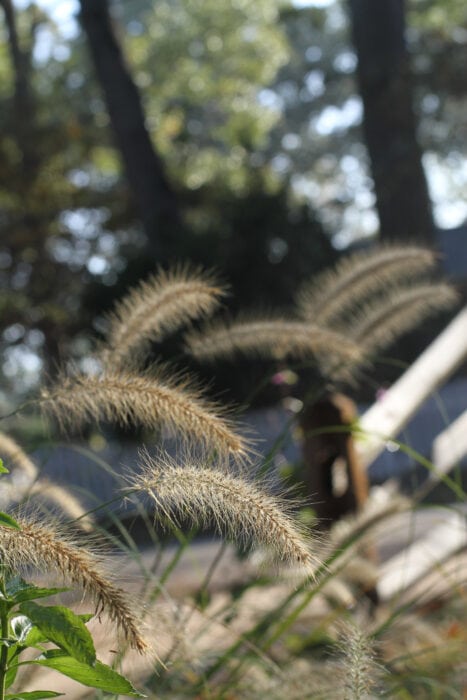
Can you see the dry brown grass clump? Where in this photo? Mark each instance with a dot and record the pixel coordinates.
(275, 338)
(143, 400)
(48, 551)
(156, 307)
(236, 507)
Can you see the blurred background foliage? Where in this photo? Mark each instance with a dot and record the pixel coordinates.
(225, 132)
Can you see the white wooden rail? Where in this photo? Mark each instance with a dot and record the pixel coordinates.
(445, 534)
(386, 418)
(384, 421)
(449, 447)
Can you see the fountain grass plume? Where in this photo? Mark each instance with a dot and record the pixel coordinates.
(359, 670)
(156, 307)
(354, 279)
(396, 312)
(273, 337)
(239, 508)
(151, 401)
(52, 552)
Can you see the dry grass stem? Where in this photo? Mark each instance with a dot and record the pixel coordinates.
(42, 547)
(150, 402)
(236, 507)
(275, 338)
(14, 455)
(156, 307)
(382, 322)
(354, 279)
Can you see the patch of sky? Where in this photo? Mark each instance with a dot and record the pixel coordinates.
(23, 365)
(84, 223)
(345, 62)
(430, 103)
(13, 333)
(291, 142)
(447, 181)
(62, 12)
(312, 3)
(313, 54)
(333, 118)
(107, 244)
(281, 163)
(79, 178)
(270, 98)
(97, 265)
(314, 81)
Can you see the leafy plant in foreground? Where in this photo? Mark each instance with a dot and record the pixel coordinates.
(27, 625)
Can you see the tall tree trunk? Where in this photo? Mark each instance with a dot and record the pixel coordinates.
(403, 203)
(154, 198)
(16, 55)
(23, 104)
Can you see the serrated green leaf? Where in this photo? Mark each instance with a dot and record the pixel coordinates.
(97, 676)
(34, 695)
(64, 628)
(19, 590)
(7, 521)
(3, 469)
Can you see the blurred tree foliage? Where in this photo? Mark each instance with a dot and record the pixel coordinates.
(254, 112)
(200, 67)
(318, 141)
